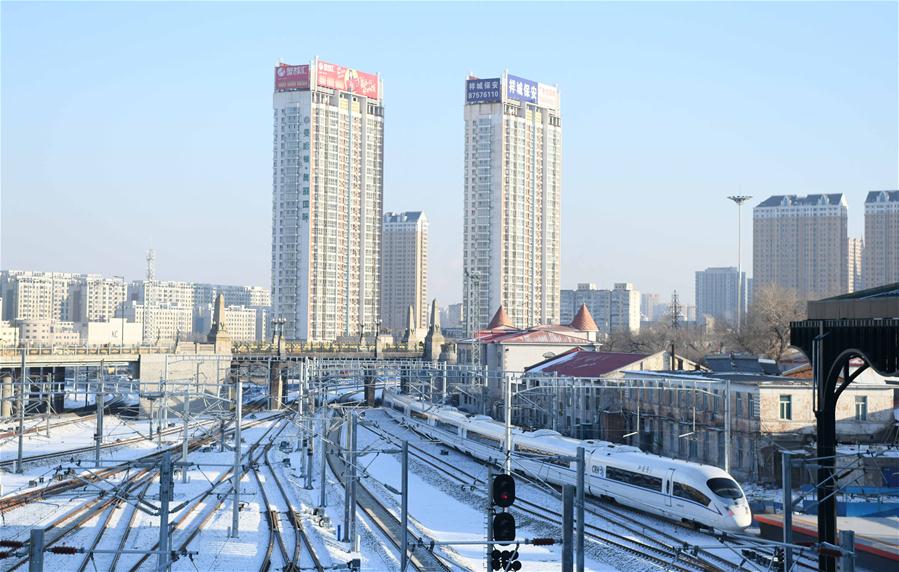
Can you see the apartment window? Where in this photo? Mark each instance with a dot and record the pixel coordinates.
(786, 407)
(861, 407)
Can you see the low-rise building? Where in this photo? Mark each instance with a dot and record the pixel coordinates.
(47, 332)
(114, 332)
(241, 323)
(683, 415)
(161, 324)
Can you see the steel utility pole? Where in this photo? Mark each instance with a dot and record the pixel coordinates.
(404, 510)
(36, 551)
(579, 508)
(238, 408)
(567, 528)
(787, 478)
(727, 424)
(739, 200)
(166, 486)
(353, 480)
(21, 413)
(184, 448)
(101, 405)
(323, 451)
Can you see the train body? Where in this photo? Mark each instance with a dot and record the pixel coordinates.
(696, 494)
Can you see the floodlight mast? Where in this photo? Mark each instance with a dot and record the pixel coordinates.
(739, 200)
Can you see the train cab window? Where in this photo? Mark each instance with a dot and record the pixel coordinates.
(687, 492)
(725, 488)
(636, 479)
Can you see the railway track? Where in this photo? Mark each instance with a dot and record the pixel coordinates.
(671, 554)
(387, 522)
(251, 408)
(301, 539)
(74, 520)
(192, 528)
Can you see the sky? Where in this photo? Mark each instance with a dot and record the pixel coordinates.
(129, 126)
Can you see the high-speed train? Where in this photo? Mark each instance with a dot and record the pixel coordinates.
(695, 494)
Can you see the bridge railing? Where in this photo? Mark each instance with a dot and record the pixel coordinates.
(296, 347)
(69, 349)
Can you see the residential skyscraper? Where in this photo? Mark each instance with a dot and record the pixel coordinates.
(855, 250)
(404, 270)
(327, 196)
(880, 262)
(716, 294)
(800, 243)
(513, 168)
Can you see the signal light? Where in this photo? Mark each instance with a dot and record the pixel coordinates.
(503, 526)
(503, 491)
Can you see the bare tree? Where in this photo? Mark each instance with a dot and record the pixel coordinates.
(766, 330)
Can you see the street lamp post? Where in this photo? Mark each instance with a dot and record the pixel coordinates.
(739, 200)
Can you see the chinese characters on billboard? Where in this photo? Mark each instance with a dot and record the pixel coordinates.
(347, 79)
(483, 90)
(291, 77)
(547, 96)
(521, 89)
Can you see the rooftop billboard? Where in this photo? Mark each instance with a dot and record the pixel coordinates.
(347, 79)
(291, 77)
(483, 90)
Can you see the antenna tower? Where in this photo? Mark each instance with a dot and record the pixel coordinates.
(151, 265)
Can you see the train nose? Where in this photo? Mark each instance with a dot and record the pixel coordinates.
(741, 515)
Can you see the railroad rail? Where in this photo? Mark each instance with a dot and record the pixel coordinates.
(386, 521)
(673, 556)
(75, 519)
(296, 521)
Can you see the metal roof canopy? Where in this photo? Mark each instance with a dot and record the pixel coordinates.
(838, 330)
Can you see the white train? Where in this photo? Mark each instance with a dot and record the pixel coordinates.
(699, 495)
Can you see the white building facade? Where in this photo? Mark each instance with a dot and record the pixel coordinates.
(512, 186)
(328, 189)
(881, 258)
(404, 270)
(800, 243)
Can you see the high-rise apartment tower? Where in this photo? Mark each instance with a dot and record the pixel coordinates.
(800, 243)
(404, 270)
(328, 189)
(880, 263)
(513, 185)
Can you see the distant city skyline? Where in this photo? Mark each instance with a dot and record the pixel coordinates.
(114, 142)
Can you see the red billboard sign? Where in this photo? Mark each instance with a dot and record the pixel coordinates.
(347, 79)
(291, 77)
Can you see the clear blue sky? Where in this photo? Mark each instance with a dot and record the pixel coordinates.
(127, 125)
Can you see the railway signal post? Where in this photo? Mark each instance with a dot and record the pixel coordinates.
(567, 528)
(502, 527)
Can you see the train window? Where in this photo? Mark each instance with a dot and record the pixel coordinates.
(636, 479)
(687, 492)
(483, 439)
(545, 456)
(447, 426)
(399, 407)
(725, 488)
(419, 415)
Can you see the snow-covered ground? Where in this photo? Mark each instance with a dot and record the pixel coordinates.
(440, 508)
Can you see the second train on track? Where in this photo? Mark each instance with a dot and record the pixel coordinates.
(696, 494)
